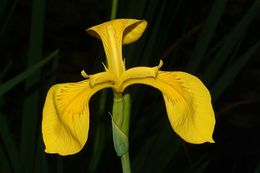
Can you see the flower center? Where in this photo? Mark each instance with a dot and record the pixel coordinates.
(117, 82)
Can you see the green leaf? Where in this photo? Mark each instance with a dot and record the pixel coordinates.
(6, 18)
(120, 123)
(41, 165)
(162, 152)
(199, 165)
(231, 72)
(120, 139)
(29, 130)
(10, 147)
(5, 87)
(4, 162)
(206, 34)
(230, 43)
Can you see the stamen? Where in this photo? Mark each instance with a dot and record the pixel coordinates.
(84, 74)
(105, 67)
(160, 64)
(156, 68)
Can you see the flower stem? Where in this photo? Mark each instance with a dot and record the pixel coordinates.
(114, 9)
(120, 127)
(126, 163)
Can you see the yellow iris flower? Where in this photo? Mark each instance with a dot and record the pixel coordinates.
(65, 123)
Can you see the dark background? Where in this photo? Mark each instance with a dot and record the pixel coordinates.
(31, 30)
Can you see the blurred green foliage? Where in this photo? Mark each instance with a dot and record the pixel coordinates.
(218, 41)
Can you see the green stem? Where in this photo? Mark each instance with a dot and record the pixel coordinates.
(125, 163)
(114, 9)
(120, 127)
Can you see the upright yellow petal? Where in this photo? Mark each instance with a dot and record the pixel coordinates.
(188, 104)
(114, 34)
(133, 30)
(130, 29)
(65, 121)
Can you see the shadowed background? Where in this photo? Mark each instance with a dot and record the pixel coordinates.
(43, 42)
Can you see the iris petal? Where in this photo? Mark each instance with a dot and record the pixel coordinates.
(113, 35)
(131, 29)
(65, 122)
(188, 104)
(134, 30)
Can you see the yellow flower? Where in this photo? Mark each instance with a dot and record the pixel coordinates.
(65, 121)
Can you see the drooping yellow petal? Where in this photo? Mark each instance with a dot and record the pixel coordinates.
(188, 104)
(65, 121)
(114, 34)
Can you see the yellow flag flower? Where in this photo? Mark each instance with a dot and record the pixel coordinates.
(65, 121)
